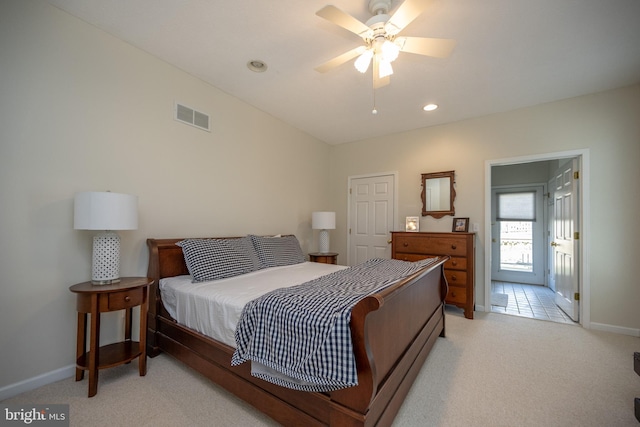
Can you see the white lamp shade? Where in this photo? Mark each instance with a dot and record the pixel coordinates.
(323, 220)
(95, 210)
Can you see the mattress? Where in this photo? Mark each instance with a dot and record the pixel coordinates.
(213, 308)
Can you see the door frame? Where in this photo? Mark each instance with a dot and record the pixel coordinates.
(583, 219)
(395, 204)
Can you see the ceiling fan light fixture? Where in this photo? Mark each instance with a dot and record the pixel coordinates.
(390, 51)
(363, 61)
(384, 68)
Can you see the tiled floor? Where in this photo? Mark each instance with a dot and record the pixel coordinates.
(536, 302)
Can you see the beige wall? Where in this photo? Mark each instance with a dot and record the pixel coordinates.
(81, 110)
(606, 124)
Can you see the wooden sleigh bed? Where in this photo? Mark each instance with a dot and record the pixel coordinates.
(392, 331)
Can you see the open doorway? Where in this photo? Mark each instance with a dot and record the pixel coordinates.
(526, 223)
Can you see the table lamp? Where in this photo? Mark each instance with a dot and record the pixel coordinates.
(323, 221)
(107, 212)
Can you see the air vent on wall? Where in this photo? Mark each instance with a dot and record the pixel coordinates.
(192, 117)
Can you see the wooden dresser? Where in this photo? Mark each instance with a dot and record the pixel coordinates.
(459, 270)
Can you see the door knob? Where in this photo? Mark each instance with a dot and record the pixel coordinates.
(554, 244)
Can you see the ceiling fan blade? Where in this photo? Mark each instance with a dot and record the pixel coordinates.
(405, 14)
(439, 48)
(342, 19)
(377, 81)
(339, 60)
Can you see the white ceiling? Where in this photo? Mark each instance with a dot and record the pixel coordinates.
(509, 54)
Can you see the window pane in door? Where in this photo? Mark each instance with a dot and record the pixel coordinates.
(520, 206)
(516, 246)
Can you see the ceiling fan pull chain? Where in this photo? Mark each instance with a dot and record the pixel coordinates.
(373, 88)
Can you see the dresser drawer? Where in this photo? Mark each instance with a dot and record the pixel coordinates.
(449, 245)
(125, 299)
(412, 257)
(456, 263)
(455, 277)
(456, 295)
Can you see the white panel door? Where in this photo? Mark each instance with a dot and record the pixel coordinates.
(371, 217)
(565, 243)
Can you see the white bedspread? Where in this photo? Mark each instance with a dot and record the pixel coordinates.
(214, 308)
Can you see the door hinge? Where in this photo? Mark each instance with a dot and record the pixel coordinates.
(576, 175)
(576, 235)
(576, 296)
(349, 191)
(349, 231)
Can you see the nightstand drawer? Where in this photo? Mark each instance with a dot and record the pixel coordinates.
(125, 299)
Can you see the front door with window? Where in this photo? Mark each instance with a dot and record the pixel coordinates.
(518, 235)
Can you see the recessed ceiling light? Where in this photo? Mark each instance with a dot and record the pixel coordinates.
(257, 66)
(430, 107)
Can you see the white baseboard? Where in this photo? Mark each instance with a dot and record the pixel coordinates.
(634, 332)
(616, 329)
(12, 390)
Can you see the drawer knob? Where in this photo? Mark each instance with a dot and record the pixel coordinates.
(454, 262)
(405, 244)
(127, 298)
(453, 294)
(454, 278)
(454, 247)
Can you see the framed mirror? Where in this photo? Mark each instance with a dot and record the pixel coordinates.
(438, 194)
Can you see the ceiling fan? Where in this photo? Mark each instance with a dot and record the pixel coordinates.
(380, 35)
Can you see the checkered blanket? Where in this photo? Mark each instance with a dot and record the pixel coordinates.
(301, 334)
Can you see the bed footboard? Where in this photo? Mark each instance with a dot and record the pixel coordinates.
(393, 332)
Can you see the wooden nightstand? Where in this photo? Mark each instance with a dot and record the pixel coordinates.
(95, 299)
(326, 257)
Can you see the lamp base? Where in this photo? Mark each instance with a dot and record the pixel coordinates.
(105, 282)
(323, 241)
(105, 268)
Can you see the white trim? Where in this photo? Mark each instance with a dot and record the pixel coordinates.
(634, 332)
(395, 204)
(29, 384)
(585, 225)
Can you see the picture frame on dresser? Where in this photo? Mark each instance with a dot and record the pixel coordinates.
(460, 225)
(412, 224)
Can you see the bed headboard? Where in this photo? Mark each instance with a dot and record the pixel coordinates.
(165, 259)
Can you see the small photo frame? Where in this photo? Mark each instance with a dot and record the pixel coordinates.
(412, 224)
(460, 225)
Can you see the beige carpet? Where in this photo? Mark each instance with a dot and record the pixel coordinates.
(495, 370)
